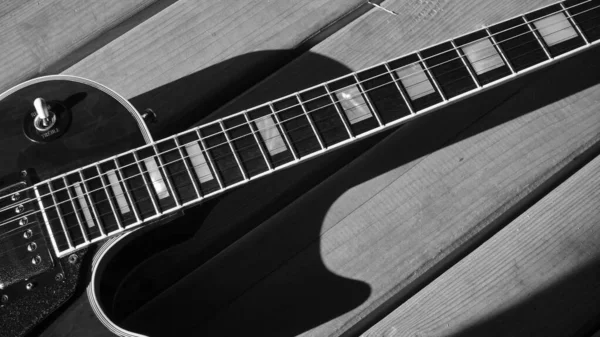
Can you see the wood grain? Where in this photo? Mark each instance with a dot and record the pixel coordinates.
(379, 36)
(386, 219)
(35, 35)
(408, 204)
(193, 57)
(398, 212)
(176, 29)
(189, 36)
(539, 276)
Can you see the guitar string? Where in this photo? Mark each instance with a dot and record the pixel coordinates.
(436, 55)
(99, 221)
(387, 74)
(221, 144)
(222, 170)
(279, 124)
(92, 236)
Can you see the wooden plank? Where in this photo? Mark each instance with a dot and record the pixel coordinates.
(193, 57)
(290, 253)
(379, 36)
(178, 27)
(35, 35)
(377, 228)
(384, 222)
(538, 276)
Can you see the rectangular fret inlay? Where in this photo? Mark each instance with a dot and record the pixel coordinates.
(415, 81)
(118, 191)
(87, 215)
(156, 178)
(78, 208)
(198, 162)
(483, 56)
(270, 135)
(354, 104)
(555, 29)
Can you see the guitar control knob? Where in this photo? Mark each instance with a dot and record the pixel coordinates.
(45, 118)
(36, 260)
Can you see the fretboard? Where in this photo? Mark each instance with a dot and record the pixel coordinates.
(144, 184)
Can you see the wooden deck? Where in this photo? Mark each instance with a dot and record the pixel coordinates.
(481, 218)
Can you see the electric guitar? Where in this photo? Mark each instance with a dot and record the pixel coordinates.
(64, 187)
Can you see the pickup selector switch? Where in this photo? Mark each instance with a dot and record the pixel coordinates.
(48, 120)
(45, 118)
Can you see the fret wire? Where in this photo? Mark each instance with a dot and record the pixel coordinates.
(346, 126)
(496, 46)
(116, 163)
(462, 58)
(511, 28)
(310, 121)
(60, 217)
(46, 220)
(209, 158)
(576, 5)
(90, 201)
(367, 99)
(573, 6)
(150, 193)
(110, 202)
(408, 103)
(388, 82)
(162, 167)
(532, 29)
(574, 24)
(260, 147)
(189, 171)
(79, 222)
(122, 179)
(503, 57)
(433, 80)
(97, 189)
(235, 156)
(283, 132)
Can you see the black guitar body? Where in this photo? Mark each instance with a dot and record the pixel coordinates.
(126, 272)
(93, 123)
(223, 269)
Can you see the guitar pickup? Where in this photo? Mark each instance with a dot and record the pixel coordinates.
(23, 249)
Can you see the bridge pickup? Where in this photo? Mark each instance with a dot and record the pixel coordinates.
(23, 248)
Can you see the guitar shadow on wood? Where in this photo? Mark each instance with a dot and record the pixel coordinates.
(249, 262)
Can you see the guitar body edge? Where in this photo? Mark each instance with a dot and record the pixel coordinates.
(101, 124)
(103, 254)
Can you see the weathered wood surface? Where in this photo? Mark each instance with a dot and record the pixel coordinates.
(171, 56)
(399, 212)
(538, 276)
(370, 233)
(37, 36)
(194, 56)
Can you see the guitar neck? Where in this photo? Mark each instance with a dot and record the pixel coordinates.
(144, 184)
